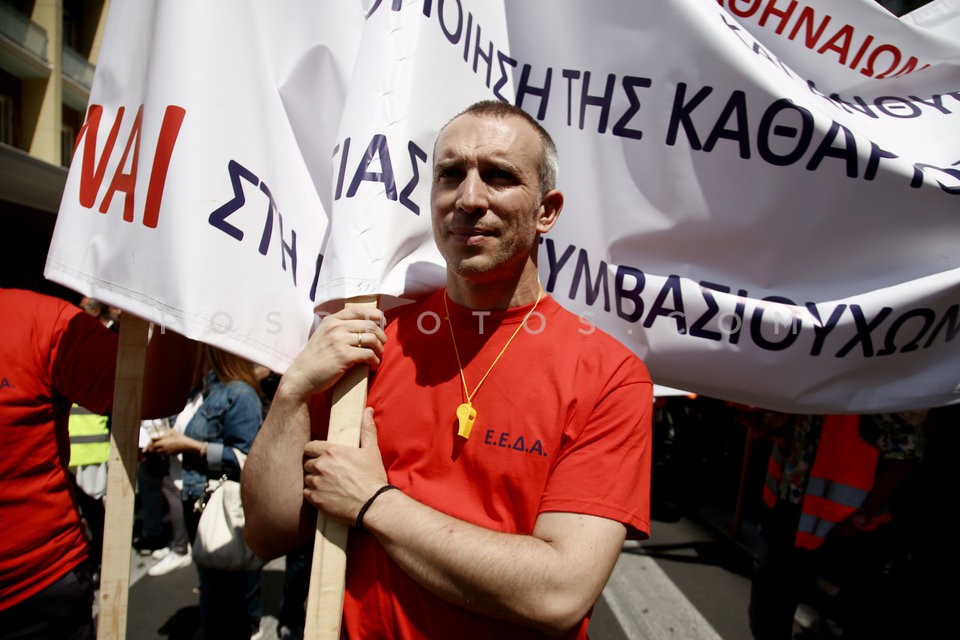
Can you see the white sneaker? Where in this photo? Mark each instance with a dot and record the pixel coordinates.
(170, 562)
(159, 554)
(286, 633)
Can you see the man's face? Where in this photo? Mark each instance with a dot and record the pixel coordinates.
(486, 195)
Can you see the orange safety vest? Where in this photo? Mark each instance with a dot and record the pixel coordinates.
(842, 475)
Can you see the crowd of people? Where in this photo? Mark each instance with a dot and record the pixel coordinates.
(832, 482)
(499, 470)
(835, 519)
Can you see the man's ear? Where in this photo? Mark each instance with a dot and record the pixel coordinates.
(550, 206)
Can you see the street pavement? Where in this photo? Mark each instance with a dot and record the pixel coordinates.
(687, 582)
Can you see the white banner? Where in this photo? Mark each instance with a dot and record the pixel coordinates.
(761, 195)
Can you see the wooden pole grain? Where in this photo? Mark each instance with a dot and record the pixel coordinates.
(329, 566)
(121, 478)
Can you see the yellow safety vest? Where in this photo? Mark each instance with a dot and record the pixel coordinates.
(89, 437)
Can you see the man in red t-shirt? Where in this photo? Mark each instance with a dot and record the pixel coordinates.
(505, 455)
(53, 354)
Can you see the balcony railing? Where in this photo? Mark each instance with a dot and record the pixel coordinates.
(77, 67)
(23, 31)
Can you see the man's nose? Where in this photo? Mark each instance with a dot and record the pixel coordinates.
(472, 194)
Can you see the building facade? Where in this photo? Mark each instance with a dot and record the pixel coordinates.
(48, 52)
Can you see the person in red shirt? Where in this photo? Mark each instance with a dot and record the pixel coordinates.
(505, 454)
(52, 355)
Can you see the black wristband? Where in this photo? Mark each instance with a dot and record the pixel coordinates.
(366, 505)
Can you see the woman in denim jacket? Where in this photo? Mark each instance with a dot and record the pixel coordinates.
(228, 419)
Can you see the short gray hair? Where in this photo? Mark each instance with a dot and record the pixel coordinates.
(549, 158)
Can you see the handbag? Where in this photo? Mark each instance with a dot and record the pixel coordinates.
(219, 541)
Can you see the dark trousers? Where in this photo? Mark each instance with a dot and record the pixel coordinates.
(180, 539)
(92, 511)
(150, 474)
(62, 611)
(296, 585)
(784, 574)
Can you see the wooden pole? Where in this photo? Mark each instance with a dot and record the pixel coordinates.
(121, 478)
(328, 570)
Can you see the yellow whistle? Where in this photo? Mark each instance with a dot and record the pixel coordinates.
(466, 415)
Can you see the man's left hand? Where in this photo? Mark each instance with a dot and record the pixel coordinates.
(339, 478)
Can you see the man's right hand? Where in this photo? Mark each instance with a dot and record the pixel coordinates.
(351, 336)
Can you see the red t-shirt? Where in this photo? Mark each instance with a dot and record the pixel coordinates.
(563, 424)
(51, 354)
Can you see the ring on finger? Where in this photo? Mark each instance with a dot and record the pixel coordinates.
(360, 339)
